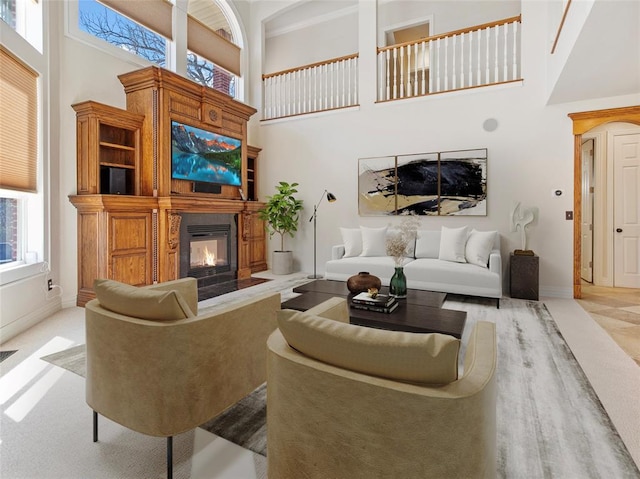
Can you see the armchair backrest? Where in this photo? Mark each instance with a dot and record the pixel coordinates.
(325, 421)
(162, 378)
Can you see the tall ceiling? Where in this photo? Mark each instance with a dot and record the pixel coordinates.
(605, 60)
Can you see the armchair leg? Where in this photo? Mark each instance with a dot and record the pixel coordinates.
(95, 426)
(498, 303)
(170, 457)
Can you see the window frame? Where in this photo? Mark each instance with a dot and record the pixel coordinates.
(34, 233)
(72, 30)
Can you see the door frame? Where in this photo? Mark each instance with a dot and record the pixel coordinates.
(582, 123)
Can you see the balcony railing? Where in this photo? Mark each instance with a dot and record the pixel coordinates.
(321, 86)
(477, 56)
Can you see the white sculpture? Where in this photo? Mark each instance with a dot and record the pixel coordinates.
(520, 219)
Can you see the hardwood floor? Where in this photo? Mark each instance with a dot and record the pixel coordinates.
(617, 311)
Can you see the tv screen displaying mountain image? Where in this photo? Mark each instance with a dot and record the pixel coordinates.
(204, 156)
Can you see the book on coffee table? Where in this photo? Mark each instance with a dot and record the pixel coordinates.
(379, 300)
(382, 303)
(376, 308)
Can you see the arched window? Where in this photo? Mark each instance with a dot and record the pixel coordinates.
(209, 29)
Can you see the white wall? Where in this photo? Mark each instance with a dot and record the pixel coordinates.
(322, 41)
(447, 15)
(530, 155)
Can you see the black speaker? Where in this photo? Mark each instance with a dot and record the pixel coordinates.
(199, 187)
(113, 181)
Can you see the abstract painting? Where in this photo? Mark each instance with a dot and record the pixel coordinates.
(444, 183)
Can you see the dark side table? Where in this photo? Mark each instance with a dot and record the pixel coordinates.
(524, 271)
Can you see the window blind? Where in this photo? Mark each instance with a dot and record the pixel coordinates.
(153, 14)
(18, 124)
(208, 44)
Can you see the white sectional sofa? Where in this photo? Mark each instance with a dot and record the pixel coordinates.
(449, 260)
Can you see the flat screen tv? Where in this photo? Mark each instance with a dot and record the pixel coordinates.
(203, 156)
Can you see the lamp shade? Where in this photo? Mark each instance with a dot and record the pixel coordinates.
(331, 197)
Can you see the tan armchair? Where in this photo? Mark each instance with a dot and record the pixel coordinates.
(330, 421)
(174, 370)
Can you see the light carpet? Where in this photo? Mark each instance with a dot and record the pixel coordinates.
(550, 421)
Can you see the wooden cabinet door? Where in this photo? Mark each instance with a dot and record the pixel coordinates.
(129, 247)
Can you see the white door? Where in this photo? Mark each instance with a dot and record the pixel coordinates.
(626, 207)
(586, 255)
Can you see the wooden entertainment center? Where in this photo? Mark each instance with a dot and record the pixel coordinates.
(128, 204)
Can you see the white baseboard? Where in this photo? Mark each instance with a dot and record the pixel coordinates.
(566, 293)
(20, 325)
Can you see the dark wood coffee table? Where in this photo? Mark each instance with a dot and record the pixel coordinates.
(420, 312)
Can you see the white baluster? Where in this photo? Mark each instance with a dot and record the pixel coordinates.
(478, 76)
(354, 84)
(462, 61)
(326, 87)
(496, 76)
(431, 67)
(395, 73)
(388, 56)
(402, 72)
(453, 63)
(470, 81)
(505, 71)
(333, 85)
(438, 64)
(446, 63)
(424, 70)
(409, 86)
(487, 79)
(514, 70)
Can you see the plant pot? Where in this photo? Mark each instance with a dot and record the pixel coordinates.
(282, 262)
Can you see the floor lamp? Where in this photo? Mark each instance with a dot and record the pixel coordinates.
(330, 198)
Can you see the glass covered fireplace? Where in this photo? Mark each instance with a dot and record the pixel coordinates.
(208, 247)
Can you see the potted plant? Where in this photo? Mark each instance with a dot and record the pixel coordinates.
(281, 215)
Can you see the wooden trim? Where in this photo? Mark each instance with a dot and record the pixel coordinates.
(564, 16)
(454, 32)
(311, 112)
(586, 120)
(311, 65)
(583, 122)
(449, 91)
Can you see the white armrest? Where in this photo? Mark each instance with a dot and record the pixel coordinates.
(337, 251)
(495, 262)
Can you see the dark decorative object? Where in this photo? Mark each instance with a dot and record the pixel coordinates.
(398, 283)
(362, 281)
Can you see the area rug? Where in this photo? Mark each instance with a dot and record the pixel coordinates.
(550, 421)
(5, 354)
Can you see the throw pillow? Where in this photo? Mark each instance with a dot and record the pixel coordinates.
(143, 303)
(418, 358)
(374, 241)
(479, 247)
(427, 244)
(352, 240)
(452, 244)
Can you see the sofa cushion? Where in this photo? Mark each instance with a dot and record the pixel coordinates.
(452, 244)
(141, 303)
(374, 241)
(427, 244)
(352, 240)
(478, 248)
(418, 358)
